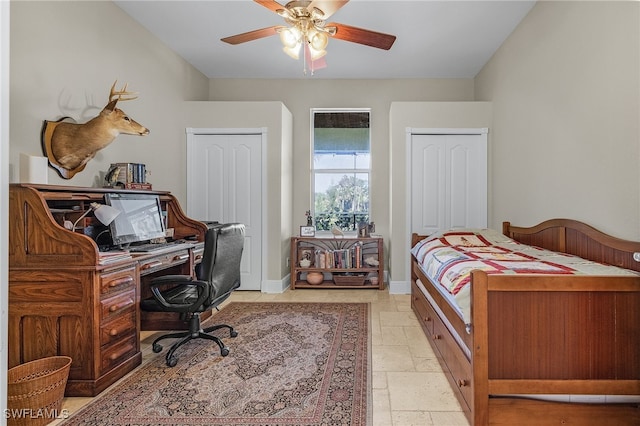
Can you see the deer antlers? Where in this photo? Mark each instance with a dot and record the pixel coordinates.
(119, 95)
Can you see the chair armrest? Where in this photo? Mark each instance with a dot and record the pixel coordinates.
(179, 281)
(171, 279)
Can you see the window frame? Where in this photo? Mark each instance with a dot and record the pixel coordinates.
(354, 171)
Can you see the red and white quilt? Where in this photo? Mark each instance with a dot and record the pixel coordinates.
(448, 258)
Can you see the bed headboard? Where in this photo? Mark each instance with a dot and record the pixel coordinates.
(577, 238)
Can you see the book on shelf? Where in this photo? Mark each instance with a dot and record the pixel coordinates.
(130, 175)
(340, 258)
(133, 185)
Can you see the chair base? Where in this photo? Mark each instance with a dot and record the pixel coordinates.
(195, 332)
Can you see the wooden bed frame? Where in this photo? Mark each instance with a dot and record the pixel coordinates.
(544, 334)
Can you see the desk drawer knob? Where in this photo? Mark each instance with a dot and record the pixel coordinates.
(113, 332)
(462, 383)
(120, 281)
(117, 306)
(150, 265)
(437, 337)
(114, 356)
(181, 257)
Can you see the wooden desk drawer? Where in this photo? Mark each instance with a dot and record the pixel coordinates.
(119, 327)
(197, 254)
(163, 261)
(113, 355)
(121, 280)
(117, 305)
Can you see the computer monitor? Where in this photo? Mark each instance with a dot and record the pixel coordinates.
(140, 218)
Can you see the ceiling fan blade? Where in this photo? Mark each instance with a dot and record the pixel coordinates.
(328, 7)
(272, 5)
(252, 35)
(362, 36)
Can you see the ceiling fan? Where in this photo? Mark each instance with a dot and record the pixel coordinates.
(308, 29)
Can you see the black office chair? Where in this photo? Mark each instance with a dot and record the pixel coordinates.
(217, 276)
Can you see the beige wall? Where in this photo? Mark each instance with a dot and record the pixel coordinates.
(64, 58)
(565, 89)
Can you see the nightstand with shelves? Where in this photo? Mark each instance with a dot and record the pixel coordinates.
(343, 262)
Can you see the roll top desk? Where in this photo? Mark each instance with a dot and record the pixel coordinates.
(68, 298)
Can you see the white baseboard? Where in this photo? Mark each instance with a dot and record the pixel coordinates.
(399, 287)
(276, 286)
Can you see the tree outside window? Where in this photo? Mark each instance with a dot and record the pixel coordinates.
(341, 168)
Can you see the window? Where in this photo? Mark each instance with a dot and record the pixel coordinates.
(341, 167)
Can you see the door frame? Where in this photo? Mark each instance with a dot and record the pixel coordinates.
(262, 131)
(410, 131)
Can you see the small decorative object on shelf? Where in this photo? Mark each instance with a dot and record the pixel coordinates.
(315, 278)
(305, 258)
(337, 232)
(307, 231)
(349, 279)
(305, 263)
(371, 261)
(342, 262)
(309, 218)
(363, 229)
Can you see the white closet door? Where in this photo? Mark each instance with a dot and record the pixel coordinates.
(448, 182)
(224, 184)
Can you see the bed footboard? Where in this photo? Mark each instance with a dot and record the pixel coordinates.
(552, 335)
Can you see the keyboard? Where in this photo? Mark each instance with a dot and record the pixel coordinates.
(150, 247)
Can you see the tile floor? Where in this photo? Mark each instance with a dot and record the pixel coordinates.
(408, 386)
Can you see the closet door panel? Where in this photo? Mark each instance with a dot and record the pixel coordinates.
(214, 182)
(448, 182)
(428, 176)
(457, 186)
(224, 184)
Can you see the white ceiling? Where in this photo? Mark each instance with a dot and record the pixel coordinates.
(435, 39)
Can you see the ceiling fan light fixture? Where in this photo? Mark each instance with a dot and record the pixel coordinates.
(316, 54)
(290, 37)
(318, 40)
(294, 51)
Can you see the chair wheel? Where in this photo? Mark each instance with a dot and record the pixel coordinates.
(172, 361)
(234, 333)
(157, 348)
(224, 351)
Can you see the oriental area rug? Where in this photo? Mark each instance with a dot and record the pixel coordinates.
(291, 364)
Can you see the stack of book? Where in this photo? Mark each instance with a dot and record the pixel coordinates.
(128, 175)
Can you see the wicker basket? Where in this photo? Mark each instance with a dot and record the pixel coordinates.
(349, 279)
(35, 390)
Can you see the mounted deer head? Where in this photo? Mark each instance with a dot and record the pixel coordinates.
(69, 145)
